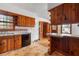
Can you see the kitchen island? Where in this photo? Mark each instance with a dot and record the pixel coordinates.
(65, 43)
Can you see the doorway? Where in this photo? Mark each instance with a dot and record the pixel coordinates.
(44, 28)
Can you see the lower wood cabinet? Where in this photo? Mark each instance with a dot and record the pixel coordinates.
(74, 46)
(11, 43)
(18, 41)
(66, 45)
(8, 43)
(3, 45)
(56, 43)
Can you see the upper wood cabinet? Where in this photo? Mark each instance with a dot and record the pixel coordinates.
(57, 15)
(69, 13)
(32, 22)
(65, 13)
(54, 16)
(77, 12)
(25, 21)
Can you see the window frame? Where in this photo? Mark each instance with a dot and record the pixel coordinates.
(7, 22)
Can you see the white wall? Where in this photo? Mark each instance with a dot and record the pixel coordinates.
(75, 29)
(14, 9)
(35, 30)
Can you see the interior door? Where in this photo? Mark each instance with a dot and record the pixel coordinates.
(44, 28)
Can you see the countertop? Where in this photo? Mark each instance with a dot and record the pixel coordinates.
(10, 33)
(62, 35)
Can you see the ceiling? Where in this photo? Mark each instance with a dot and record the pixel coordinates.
(41, 9)
(52, 5)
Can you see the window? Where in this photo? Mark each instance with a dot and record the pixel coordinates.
(66, 29)
(6, 22)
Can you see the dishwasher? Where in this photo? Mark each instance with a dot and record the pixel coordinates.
(26, 40)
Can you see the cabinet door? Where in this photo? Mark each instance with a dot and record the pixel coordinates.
(56, 44)
(74, 46)
(27, 21)
(3, 45)
(32, 22)
(77, 13)
(19, 21)
(18, 42)
(0, 46)
(59, 14)
(54, 16)
(23, 20)
(69, 12)
(10, 43)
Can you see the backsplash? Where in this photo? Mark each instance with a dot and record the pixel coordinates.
(18, 31)
(75, 29)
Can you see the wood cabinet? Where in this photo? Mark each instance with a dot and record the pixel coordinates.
(18, 42)
(74, 46)
(69, 13)
(25, 21)
(57, 15)
(54, 16)
(3, 45)
(56, 43)
(10, 43)
(60, 16)
(66, 45)
(32, 22)
(65, 14)
(77, 12)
